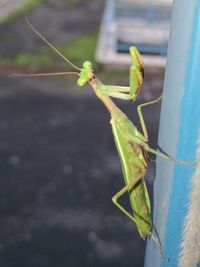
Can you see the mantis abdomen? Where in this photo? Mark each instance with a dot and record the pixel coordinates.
(133, 161)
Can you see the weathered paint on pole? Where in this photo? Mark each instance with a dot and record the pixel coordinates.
(179, 131)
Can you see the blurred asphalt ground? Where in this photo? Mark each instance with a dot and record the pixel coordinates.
(58, 165)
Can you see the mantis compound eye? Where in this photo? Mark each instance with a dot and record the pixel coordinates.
(81, 82)
(87, 65)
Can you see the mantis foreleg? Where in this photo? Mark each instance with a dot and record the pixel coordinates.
(120, 92)
(136, 73)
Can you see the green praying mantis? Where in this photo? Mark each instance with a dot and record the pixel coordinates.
(132, 145)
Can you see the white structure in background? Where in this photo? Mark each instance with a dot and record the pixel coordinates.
(143, 23)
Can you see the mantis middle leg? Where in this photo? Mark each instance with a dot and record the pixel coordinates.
(141, 117)
(167, 157)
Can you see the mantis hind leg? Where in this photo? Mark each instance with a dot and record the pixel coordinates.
(141, 117)
(125, 189)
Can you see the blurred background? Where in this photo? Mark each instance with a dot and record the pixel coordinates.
(56, 179)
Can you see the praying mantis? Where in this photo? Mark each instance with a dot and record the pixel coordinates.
(132, 145)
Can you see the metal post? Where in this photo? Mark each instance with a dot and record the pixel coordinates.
(179, 132)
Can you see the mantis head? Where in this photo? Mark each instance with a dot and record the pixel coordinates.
(86, 74)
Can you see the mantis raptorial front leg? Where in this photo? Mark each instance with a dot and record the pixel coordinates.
(136, 73)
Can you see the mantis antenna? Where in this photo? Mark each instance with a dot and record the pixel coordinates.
(45, 74)
(50, 45)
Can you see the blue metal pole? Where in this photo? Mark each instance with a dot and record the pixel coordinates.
(179, 131)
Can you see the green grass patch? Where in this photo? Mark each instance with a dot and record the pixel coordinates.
(77, 50)
(81, 49)
(26, 59)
